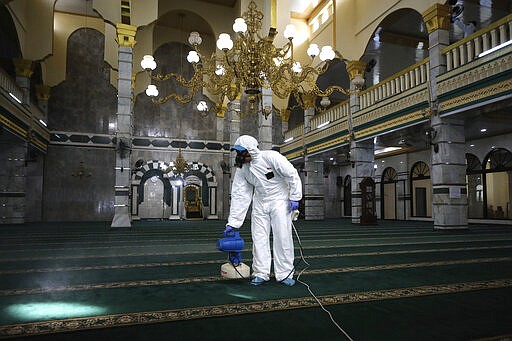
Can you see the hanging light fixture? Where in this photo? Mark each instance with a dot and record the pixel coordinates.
(248, 63)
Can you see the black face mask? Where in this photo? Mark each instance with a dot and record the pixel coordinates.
(240, 158)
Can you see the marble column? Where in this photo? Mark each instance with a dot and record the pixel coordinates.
(24, 70)
(234, 133)
(361, 152)
(448, 174)
(234, 129)
(265, 120)
(448, 171)
(126, 42)
(362, 157)
(43, 96)
(13, 177)
(176, 199)
(285, 116)
(314, 190)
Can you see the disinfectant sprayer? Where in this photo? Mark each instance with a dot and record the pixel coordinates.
(233, 244)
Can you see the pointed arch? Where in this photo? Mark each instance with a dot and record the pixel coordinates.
(421, 190)
(497, 179)
(388, 193)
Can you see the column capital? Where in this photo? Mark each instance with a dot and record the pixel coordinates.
(309, 98)
(43, 92)
(24, 67)
(126, 35)
(355, 67)
(220, 110)
(285, 114)
(437, 17)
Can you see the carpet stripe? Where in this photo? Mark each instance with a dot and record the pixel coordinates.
(127, 319)
(248, 245)
(223, 260)
(174, 281)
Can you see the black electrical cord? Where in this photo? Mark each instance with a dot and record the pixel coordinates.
(309, 289)
(234, 266)
(302, 259)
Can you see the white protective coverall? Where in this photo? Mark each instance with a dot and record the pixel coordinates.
(270, 181)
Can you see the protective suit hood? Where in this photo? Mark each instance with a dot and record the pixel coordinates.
(250, 143)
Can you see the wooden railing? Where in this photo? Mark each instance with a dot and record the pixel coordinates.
(469, 48)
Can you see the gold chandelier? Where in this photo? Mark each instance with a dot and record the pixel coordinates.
(249, 63)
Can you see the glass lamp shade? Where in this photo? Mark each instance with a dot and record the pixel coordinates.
(148, 62)
(325, 102)
(152, 91)
(194, 38)
(224, 42)
(193, 57)
(296, 67)
(219, 71)
(240, 26)
(327, 53)
(202, 106)
(358, 81)
(289, 31)
(313, 50)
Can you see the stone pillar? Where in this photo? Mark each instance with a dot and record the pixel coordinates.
(12, 180)
(313, 169)
(314, 189)
(13, 176)
(24, 70)
(234, 133)
(355, 69)
(361, 153)
(285, 116)
(234, 128)
(212, 214)
(308, 99)
(220, 126)
(448, 172)
(43, 96)
(362, 156)
(126, 42)
(175, 200)
(265, 120)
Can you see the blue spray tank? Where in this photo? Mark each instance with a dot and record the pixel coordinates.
(233, 244)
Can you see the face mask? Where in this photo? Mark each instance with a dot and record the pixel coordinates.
(240, 158)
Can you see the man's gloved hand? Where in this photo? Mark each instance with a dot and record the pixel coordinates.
(229, 231)
(294, 205)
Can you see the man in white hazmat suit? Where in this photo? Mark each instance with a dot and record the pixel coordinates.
(268, 180)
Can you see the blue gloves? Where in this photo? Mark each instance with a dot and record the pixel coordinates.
(294, 205)
(229, 231)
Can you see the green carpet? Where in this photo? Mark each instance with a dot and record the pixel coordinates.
(160, 280)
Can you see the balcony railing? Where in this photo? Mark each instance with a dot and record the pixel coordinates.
(409, 83)
(9, 85)
(469, 48)
(402, 81)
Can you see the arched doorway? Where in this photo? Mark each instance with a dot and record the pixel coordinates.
(347, 196)
(192, 197)
(421, 190)
(475, 187)
(152, 206)
(388, 193)
(497, 182)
